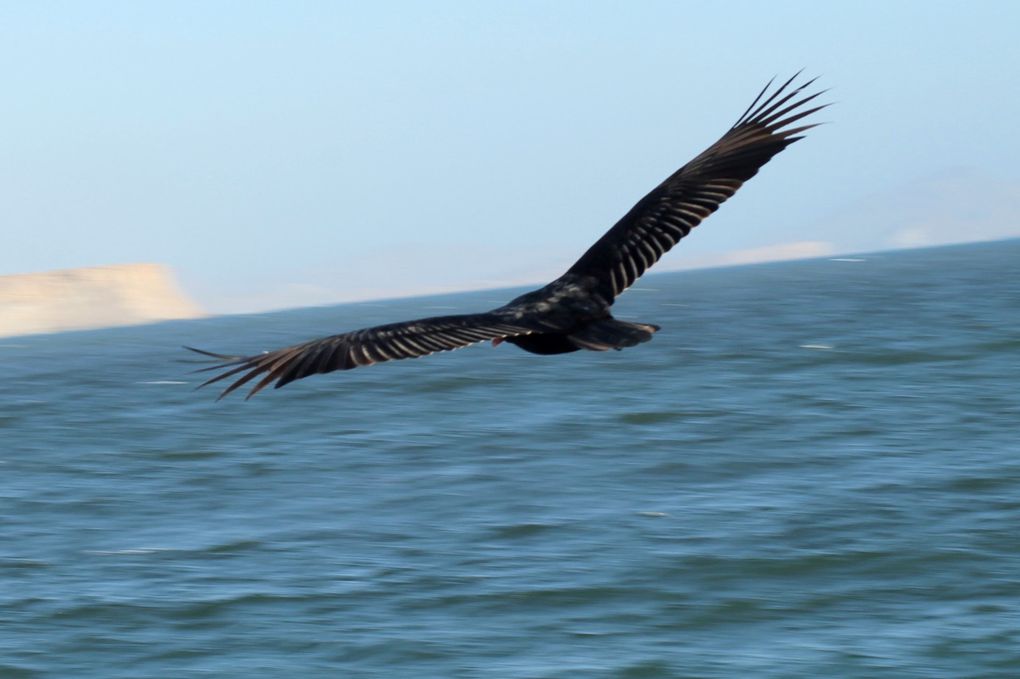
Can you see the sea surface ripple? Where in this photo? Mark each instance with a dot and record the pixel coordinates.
(813, 469)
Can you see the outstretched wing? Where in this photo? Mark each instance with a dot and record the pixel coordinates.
(409, 339)
(692, 193)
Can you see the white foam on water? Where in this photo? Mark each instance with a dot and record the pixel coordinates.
(130, 551)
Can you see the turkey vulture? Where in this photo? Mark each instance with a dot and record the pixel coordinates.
(572, 312)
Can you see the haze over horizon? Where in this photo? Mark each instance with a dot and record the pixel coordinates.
(790, 252)
(281, 155)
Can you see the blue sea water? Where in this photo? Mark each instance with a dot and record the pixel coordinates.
(813, 469)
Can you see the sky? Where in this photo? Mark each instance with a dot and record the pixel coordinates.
(280, 154)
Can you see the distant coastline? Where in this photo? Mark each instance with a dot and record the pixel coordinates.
(91, 297)
(279, 299)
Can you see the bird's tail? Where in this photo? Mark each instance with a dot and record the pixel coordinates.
(610, 333)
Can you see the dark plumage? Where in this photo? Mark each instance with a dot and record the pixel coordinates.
(572, 312)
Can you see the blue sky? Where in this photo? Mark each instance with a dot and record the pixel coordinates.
(296, 153)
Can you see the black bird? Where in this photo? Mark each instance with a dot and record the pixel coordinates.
(572, 312)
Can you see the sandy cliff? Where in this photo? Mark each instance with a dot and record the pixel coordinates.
(95, 297)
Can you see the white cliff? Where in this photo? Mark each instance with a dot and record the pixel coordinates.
(94, 297)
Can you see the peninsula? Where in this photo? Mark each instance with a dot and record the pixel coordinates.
(93, 297)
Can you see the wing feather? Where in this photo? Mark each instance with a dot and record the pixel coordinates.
(667, 214)
(410, 339)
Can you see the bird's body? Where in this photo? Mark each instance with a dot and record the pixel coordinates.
(573, 311)
(575, 315)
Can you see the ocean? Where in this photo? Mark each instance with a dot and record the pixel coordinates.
(813, 469)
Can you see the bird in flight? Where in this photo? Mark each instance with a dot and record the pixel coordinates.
(573, 311)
